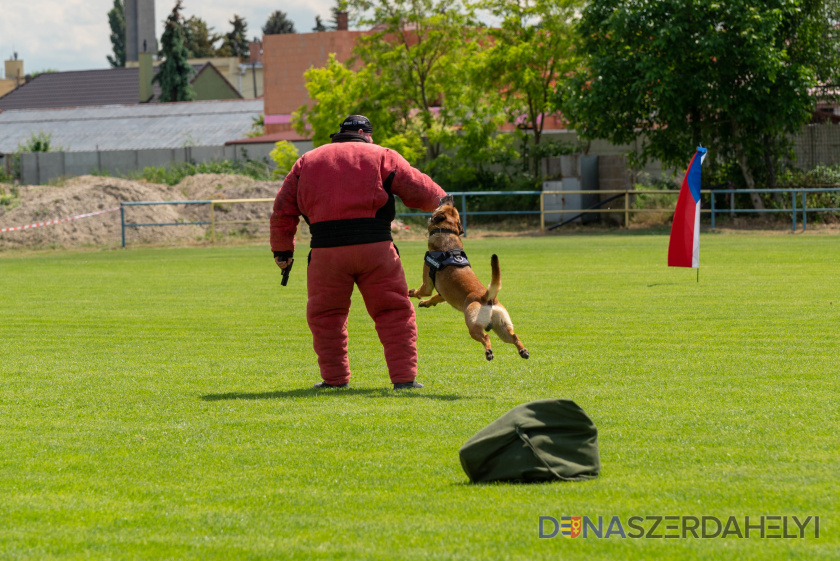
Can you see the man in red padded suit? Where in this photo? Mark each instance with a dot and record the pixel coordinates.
(345, 192)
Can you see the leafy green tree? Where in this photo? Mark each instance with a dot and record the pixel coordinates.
(732, 76)
(416, 80)
(116, 20)
(235, 42)
(278, 23)
(284, 155)
(827, 47)
(532, 51)
(175, 72)
(419, 50)
(339, 91)
(199, 39)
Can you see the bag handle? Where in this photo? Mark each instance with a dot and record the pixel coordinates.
(537, 453)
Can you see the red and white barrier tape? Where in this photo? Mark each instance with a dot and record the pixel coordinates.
(28, 226)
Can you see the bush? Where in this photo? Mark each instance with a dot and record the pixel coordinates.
(38, 142)
(173, 175)
(665, 201)
(819, 176)
(8, 199)
(284, 155)
(3, 177)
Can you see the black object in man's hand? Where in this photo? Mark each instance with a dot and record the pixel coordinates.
(286, 272)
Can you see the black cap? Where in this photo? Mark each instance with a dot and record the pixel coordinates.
(354, 123)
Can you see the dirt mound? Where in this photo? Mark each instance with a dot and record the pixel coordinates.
(233, 219)
(88, 194)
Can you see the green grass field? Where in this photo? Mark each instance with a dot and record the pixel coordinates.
(156, 404)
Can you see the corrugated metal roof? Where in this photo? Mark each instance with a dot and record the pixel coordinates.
(128, 127)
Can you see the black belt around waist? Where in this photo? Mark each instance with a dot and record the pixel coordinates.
(351, 231)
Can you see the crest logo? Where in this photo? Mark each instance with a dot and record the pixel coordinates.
(570, 526)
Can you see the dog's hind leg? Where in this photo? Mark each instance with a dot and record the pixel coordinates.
(504, 329)
(476, 328)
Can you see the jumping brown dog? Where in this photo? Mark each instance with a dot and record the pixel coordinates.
(457, 284)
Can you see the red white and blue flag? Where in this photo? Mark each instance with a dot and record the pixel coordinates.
(684, 248)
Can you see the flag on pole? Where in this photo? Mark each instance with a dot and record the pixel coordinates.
(684, 248)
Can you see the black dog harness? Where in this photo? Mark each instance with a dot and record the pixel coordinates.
(439, 260)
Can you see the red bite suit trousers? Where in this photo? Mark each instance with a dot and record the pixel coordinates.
(376, 269)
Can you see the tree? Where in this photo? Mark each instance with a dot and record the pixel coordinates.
(116, 20)
(827, 47)
(284, 155)
(199, 39)
(419, 50)
(278, 23)
(174, 74)
(339, 91)
(734, 76)
(532, 51)
(319, 25)
(235, 43)
(416, 80)
(339, 8)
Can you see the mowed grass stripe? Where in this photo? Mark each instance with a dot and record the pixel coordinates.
(156, 404)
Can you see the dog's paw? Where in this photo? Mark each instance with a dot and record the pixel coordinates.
(425, 304)
(524, 353)
(488, 354)
(412, 293)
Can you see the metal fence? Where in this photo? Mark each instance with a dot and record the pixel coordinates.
(795, 208)
(798, 198)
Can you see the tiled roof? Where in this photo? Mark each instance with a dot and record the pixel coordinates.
(125, 127)
(81, 88)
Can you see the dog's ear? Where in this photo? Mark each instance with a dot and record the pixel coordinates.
(438, 218)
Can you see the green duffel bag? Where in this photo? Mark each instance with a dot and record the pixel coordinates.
(545, 440)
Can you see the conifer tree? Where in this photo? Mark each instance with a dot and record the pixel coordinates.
(236, 41)
(174, 74)
(278, 22)
(116, 19)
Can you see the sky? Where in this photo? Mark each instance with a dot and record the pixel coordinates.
(74, 34)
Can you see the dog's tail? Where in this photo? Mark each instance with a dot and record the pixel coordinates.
(495, 283)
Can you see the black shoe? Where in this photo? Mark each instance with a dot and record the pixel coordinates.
(407, 385)
(324, 385)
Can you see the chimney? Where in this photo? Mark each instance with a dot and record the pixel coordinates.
(139, 28)
(14, 70)
(146, 74)
(255, 51)
(341, 21)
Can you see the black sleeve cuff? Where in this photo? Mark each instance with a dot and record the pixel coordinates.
(284, 255)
